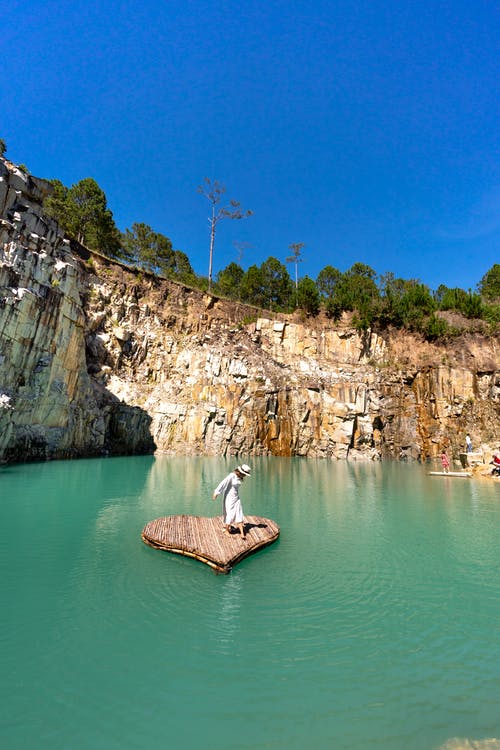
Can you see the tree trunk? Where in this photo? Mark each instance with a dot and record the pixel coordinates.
(212, 242)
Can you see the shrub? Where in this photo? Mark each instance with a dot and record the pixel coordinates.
(435, 328)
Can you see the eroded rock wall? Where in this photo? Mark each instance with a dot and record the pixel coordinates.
(220, 378)
(96, 357)
(49, 405)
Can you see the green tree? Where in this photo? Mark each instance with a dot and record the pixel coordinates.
(91, 221)
(392, 292)
(252, 287)
(56, 204)
(440, 293)
(359, 292)
(178, 267)
(472, 305)
(214, 192)
(491, 314)
(3, 147)
(277, 287)
(450, 299)
(333, 308)
(149, 249)
(308, 296)
(228, 282)
(328, 282)
(489, 286)
(467, 303)
(416, 304)
(406, 303)
(83, 213)
(435, 328)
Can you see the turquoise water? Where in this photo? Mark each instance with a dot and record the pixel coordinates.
(371, 623)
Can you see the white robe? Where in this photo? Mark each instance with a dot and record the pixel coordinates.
(231, 503)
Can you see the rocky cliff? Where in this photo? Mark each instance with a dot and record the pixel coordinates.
(97, 358)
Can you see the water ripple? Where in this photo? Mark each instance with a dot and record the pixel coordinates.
(369, 624)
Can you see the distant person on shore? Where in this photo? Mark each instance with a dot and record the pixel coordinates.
(445, 462)
(468, 443)
(496, 463)
(232, 510)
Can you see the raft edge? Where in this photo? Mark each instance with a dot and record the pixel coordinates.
(219, 566)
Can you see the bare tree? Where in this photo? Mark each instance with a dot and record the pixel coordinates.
(241, 247)
(296, 248)
(214, 192)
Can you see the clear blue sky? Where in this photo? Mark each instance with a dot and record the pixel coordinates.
(368, 130)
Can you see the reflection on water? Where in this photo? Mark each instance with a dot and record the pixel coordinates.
(229, 615)
(370, 623)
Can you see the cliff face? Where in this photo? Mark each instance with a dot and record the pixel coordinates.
(96, 358)
(49, 404)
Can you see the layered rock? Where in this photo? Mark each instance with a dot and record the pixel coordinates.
(49, 405)
(98, 357)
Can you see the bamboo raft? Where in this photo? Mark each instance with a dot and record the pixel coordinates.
(204, 538)
(463, 474)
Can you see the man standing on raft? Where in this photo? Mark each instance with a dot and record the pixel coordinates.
(231, 507)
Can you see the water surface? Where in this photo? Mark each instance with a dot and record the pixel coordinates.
(371, 623)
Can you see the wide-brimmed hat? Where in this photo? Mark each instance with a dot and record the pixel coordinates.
(244, 469)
